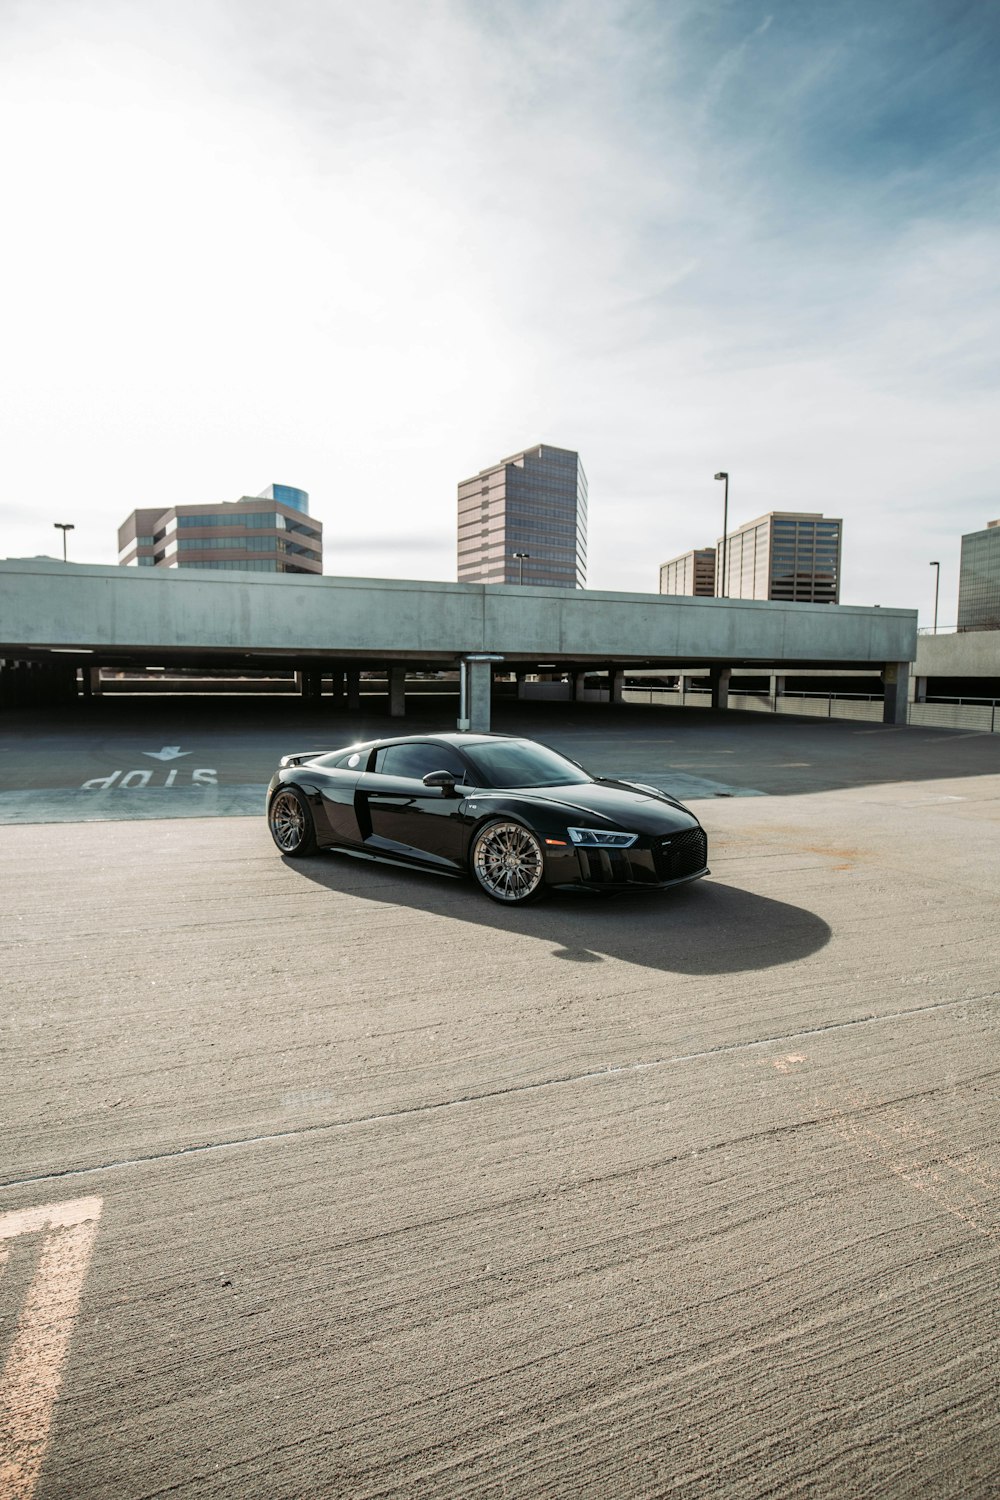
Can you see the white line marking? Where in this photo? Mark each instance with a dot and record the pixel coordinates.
(30, 1380)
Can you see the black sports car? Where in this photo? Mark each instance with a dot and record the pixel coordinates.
(514, 814)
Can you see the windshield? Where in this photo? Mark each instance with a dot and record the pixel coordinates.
(520, 763)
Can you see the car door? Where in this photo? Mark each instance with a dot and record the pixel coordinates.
(399, 815)
(336, 779)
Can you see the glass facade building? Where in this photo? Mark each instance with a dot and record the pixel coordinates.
(535, 503)
(979, 580)
(267, 533)
(287, 494)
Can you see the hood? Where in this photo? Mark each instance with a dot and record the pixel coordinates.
(615, 804)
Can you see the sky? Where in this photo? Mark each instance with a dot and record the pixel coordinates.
(370, 249)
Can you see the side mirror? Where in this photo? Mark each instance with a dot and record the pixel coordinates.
(446, 780)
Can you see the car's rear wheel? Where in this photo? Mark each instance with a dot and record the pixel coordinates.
(291, 823)
(507, 863)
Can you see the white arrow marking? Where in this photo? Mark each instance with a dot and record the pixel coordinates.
(169, 752)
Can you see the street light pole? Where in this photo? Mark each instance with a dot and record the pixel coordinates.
(64, 526)
(520, 565)
(721, 592)
(937, 588)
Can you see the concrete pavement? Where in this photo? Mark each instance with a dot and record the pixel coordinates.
(400, 1194)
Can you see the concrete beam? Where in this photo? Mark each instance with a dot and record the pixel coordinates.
(46, 604)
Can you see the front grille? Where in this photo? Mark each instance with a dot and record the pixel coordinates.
(681, 854)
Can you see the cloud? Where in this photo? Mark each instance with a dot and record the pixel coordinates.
(371, 249)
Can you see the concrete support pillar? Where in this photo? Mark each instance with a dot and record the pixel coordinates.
(92, 676)
(353, 691)
(479, 695)
(397, 692)
(616, 687)
(520, 679)
(777, 690)
(919, 685)
(336, 687)
(896, 682)
(579, 686)
(719, 677)
(683, 687)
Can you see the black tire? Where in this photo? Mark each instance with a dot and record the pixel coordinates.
(290, 820)
(507, 862)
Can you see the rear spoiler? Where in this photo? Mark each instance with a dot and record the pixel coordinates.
(297, 760)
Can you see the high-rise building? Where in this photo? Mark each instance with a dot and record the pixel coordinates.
(692, 573)
(790, 555)
(979, 580)
(267, 533)
(533, 504)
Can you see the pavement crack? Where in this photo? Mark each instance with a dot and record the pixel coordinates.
(612, 1070)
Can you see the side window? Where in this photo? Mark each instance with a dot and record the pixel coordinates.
(415, 761)
(353, 759)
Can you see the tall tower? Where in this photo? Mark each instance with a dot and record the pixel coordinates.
(533, 503)
(979, 580)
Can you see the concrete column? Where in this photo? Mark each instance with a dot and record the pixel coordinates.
(579, 686)
(719, 677)
(397, 699)
(92, 675)
(480, 694)
(616, 687)
(919, 685)
(336, 686)
(353, 691)
(896, 681)
(520, 679)
(776, 690)
(683, 683)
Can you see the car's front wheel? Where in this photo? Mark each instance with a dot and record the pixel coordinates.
(507, 863)
(291, 823)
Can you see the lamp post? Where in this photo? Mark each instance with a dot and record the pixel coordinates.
(520, 564)
(64, 526)
(721, 592)
(937, 589)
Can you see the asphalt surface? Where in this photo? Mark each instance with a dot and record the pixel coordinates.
(371, 1188)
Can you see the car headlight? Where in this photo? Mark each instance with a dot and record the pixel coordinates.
(601, 838)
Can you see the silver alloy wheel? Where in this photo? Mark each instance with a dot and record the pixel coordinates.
(507, 859)
(288, 822)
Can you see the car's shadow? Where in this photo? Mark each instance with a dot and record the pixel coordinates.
(703, 928)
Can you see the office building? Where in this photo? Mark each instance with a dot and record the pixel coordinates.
(534, 503)
(693, 573)
(267, 533)
(792, 556)
(979, 580)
